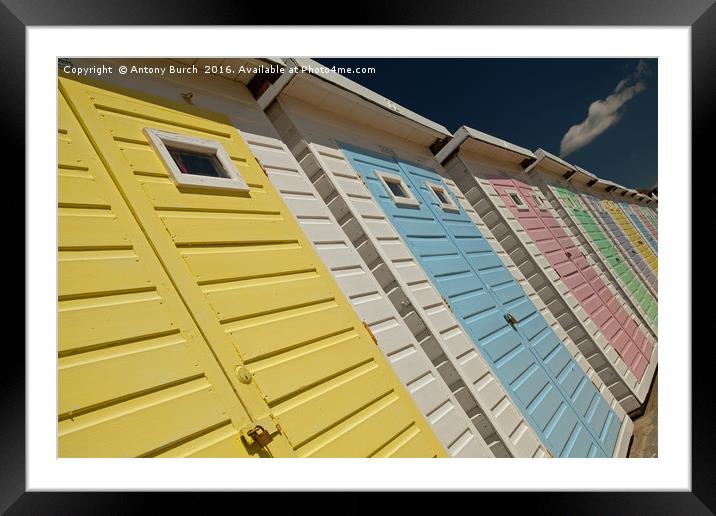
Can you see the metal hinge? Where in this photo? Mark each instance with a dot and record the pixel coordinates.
(370, 332)
(447, 304)
(261, 432)
(261, 167)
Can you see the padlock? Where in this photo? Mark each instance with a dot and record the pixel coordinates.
(260, 435)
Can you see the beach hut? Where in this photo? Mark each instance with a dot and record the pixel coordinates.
(620, 239)
(561, 183)
(636, 209)
(194, 316)
(602, 190)
(644, 213)
(491, 173)
(637, 205)
(649, 209)
(451, 414)
(622, 197)
(358, 149)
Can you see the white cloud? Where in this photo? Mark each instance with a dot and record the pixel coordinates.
(604, 113)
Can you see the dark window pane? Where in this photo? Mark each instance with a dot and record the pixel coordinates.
(197, 164)
(441, 196)
(516, 199)
(397, 189)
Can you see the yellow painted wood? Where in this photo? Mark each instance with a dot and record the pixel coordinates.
(135, 374)
(632, 234)
(100, 272)
(105, 320)
(320, 360)
(239, 262)
(242, 299)
(74, 189)
(220, 443)
(119, 371)
(143, 425)
(223, 228)
(401, 440)
(78, 227)
(165, 196)
(316, 410)
(269, 334)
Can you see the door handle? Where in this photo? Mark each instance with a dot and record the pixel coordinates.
(510, 319)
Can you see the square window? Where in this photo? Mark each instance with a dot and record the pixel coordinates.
(540, 201)
(397, 189)
(196, 162)
(517, 200)
(443, 198)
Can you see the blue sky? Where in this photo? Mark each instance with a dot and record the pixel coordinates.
(534, 103)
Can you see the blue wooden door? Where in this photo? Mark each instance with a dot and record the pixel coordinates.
(547, 385)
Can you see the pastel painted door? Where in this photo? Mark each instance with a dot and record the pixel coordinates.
(611, 255)
(648, 222)
(636, 260)
(619, 328)
(632, 234)
(651, 230)
(651, 214)
(545, 382)
(639, 226)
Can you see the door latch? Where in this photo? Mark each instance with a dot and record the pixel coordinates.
(260, 435)
(261, 167)
(510, 318)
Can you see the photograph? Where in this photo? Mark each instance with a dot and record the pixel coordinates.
(343, 257)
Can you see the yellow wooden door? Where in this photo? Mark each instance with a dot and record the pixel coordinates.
(286, 340)
(135, 375)
(632, 234)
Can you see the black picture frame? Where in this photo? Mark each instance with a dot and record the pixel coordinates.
(700, 15)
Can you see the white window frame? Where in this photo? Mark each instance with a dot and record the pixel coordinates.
(540, 200)
(450, 205)
(159, 141)
(388, 177)
(521, 207)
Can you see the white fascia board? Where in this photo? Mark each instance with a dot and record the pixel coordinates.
(498, 142)
(603, 184)
(466, 133)
(559, 161)
(586, 173)
(542, 155)
(457, 139)
(275, 89)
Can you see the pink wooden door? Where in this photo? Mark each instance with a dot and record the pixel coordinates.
(621, 331)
